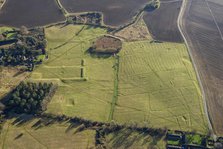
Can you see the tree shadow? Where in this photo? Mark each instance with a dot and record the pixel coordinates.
(92, 54)
(18, 136)
(125, 138)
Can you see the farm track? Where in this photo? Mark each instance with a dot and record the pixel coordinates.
(115, 91)
(203, 37)
(170, 1)
(2, 4)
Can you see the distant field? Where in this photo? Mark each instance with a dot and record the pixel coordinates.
(88, 96)
(158, 87)
(162, 22)
(30, 13)
(54, 136)
(116, 12)
(203, 29)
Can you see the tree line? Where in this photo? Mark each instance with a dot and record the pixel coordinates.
(30, 97)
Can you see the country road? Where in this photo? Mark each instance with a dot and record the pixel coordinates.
(2, 4)
(186, 5)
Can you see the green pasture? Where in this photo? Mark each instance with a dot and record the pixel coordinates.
(55, 136)
(150, 84)
(158, 87)
(88, 97)
(4, 29)
(133, 140)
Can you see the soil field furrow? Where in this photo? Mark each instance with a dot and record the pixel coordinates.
(30, 13)
(162, 23)
(116, 12)
(205, 42)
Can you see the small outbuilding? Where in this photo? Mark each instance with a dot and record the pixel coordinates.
(106, 45)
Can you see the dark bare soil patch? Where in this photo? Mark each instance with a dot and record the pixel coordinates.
(206, 45)
(162, 22)
(106, 45)
(116, 12)
(30, 13)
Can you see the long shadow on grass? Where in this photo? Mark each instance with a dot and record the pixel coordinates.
(126, 138)
(44, 121)
(97, 55)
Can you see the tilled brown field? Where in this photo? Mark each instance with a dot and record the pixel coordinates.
(202, 21)
(162, 23)
(116, 12)
(30, 13)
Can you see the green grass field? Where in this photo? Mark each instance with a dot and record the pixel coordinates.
(54, 136)
(155, 84)
(133, 140)
(89, 97)
(158, 86)
(10, 77)
(4, 29)
(62, 135)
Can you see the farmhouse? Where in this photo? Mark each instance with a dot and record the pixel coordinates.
(106, 45)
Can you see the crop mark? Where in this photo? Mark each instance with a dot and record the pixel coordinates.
(115, 92)
(34, 138)
(216, 23)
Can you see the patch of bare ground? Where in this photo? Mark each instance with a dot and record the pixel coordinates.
(10, 77)
(162, 22)
(135, 32)
(106, 45)
(202, 30)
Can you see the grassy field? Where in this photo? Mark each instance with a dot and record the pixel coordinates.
(158, 87)
(132, 140)
(4, 29)
(36, 133)
(54, 136)
(88, 96)
(149, 83)
(9, 78)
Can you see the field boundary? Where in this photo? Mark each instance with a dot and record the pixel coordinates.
(115, 91)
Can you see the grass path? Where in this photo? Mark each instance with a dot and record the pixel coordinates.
(115, 92)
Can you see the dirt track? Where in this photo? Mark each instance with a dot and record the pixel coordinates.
(202, 24)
